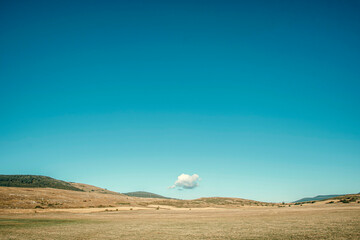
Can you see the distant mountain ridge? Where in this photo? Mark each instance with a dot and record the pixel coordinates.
(318, 198)
(143, 194)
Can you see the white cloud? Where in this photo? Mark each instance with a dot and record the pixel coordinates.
(185, 181)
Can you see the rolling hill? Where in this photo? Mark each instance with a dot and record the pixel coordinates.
(317, 198)
(92, 189)
(143, 194)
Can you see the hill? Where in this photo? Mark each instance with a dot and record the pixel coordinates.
(317, 198)
(93, 189)
(143, 194)
(45, 198)
(348, 198)
(35, 181)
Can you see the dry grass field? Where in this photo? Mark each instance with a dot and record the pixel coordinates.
(312, 221)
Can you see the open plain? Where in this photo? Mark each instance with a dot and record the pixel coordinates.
(309, 221)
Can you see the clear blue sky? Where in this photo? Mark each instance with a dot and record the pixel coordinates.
(261, 99)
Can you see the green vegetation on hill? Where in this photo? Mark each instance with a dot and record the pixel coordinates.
(317, 198)
(144, 195)
(35, 181)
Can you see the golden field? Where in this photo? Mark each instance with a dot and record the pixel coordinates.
(311, 221)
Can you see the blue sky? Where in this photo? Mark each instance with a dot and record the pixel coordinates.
(259, 98)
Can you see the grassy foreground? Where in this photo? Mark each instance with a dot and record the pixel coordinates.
(312, 222)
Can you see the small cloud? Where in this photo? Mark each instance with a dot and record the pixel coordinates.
(185, 181)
